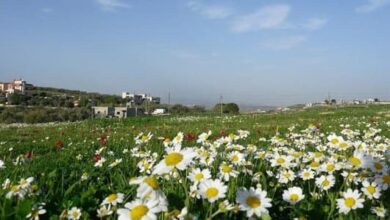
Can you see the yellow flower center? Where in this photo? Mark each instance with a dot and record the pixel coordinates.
(226, 169)
(287, 175)
(34, 213)
(325, 183)
(23, 181)
(261, 154)
(211, 192)
(355, 161)
(317, 154)
(280, 160)
(14, 188)
(330, 167)
(371, 189)
(306, 174)
(314, 164)
(232, 136)
(173, 159)
(234, 158)
(294, 197)
(343, 145)
(253, 202)
(378, 166)
(112, 197)
(152, 182)
(146, 165)
(335, 141)
(75, 214)
(144, 138)
(350, 202)
(138, 212)
(386, 179)
(199, 176)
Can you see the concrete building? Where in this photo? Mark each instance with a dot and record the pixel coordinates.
(103, 112)
(159, 111)
(138, 99)
(16, 86)
(116, 112)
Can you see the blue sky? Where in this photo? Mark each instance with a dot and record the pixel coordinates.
(254, 52)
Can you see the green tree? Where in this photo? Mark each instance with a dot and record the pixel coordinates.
(229, 108)
(15, 99)
(179, 109)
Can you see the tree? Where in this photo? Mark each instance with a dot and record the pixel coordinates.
(229, 108)
(198, 109)
(14, 99)
(179, 109)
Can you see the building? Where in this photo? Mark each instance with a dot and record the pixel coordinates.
(16, 86)
(116, 112)
(138, 99)
(159, 111)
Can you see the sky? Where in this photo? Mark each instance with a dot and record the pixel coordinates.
(252, 52)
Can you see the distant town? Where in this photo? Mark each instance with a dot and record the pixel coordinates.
(94, 105)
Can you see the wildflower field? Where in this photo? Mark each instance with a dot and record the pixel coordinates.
(320, 163)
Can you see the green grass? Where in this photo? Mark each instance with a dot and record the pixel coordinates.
(57, 172)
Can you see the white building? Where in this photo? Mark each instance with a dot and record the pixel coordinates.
(159, 111)
(16, 86)
(140, 98)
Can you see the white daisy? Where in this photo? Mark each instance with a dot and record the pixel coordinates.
(371, 190)
(306, 174)
(212, 190)
(197, 175)
(176, 158)
(113, 199)
(139, 210)
(293, 195)
(350, 201)
(379, 211)
(325, 182)
(254, 202)
(104, 211)
(74, 213)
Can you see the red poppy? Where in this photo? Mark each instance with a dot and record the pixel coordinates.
(59, 144)
(190, 137)
(28, 155)
(97, 157)
(103, 141)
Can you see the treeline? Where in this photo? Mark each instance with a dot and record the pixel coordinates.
(42, 114)
(52, 97)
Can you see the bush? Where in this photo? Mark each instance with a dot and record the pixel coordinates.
(229, 108)
(179, 109)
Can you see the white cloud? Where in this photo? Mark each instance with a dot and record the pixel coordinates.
(110, 5)
(210, 11)
(268, 17)
(315, 23)
(372, 5)
(284, 43)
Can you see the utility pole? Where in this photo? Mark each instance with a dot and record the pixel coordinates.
(169, 101)
(147, 103)
(221, 104)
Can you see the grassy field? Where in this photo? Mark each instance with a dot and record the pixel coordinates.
(324, 163)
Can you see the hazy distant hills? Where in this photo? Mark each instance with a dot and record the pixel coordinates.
(254, 108)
